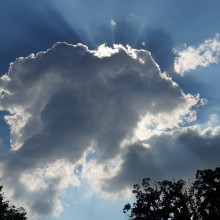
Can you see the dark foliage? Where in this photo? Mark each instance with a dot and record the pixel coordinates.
(9, 212)
(178, 200)
(207, 194)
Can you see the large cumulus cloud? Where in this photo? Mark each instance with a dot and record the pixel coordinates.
(63, 101)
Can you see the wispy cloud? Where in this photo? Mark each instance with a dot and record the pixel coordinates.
(205, 54)
(113, 23)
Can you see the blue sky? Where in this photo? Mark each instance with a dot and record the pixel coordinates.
(79, 125)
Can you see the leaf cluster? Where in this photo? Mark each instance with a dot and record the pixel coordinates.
(10, 212)
(179, 200)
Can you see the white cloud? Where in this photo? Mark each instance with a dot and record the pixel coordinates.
(143, 43)
(104, 51)
(113, 23)
(65, 100)
(155, 124)
(213, 120)
(191, 57)
(39, 189)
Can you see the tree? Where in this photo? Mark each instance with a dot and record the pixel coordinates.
(9, 212)
(207, 194)
(177, 200)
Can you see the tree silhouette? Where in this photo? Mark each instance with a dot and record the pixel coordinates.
(207, 194)
(9, 212)
(178, 200)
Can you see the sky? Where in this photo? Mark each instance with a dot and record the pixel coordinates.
(97, 95)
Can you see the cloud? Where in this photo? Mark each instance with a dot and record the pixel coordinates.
(169, 155)
(63, 101)
(113, 23)
(39, 189)
(191, 58)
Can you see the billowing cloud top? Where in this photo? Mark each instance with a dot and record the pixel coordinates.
(65, 100)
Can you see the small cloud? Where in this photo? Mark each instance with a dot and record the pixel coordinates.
(213, 120)
(113, 23)
(190, 58)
